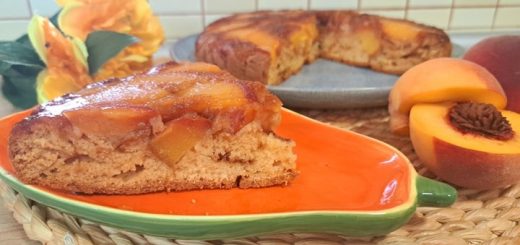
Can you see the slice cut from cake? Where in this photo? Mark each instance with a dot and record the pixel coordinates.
(176, 127)
(262, 46)
(380, 43)
(270, 46)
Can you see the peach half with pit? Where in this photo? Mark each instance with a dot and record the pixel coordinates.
(441, 80)
(469, 144)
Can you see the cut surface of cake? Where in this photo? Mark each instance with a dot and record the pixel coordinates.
(175, 127)
(269, 46)
(384, 44)
(262, 46)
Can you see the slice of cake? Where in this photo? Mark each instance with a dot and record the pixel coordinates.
(383, 44)
(262, 46)
(176, 127)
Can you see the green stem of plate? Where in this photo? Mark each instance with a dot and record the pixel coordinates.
(433, 193)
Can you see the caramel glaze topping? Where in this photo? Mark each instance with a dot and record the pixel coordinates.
(262, 28)
(480, 119)
(174, 90)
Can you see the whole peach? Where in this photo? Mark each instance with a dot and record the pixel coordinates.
(501, 56)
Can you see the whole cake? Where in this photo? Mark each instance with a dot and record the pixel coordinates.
(175, 127)
(269, 46)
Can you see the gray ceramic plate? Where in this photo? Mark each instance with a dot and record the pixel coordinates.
(328, 84)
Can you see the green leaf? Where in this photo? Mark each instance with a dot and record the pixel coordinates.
(103, 45)
(19, 85)
(14, 53)
(22, 77)
(20, 96)
(4, 67)
(19, 66)
(54, 19)
(24, 40)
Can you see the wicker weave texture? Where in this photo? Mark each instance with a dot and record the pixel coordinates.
(478, 217)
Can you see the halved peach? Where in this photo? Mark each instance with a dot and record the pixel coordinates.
(462, 158)
(441, 80)
(179, 136)
(110, 120)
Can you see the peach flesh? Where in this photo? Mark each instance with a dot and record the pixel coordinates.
(179, 136)
(110, 121)
(466, 160)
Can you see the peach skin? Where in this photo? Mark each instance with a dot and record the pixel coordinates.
(472, 145)
(499, 55)
(441, 80)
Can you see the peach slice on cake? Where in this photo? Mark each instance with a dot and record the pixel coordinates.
(110, 120)
(179, 136)
(468, 144)
(441, 80)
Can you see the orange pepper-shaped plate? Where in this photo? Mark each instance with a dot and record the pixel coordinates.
(348, 184)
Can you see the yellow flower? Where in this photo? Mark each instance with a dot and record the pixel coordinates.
(134, 17)
(64, 57)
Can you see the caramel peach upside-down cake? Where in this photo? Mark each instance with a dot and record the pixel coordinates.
(270, 46)
(175, 127)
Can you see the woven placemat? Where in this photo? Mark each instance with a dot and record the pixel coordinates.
(478, 217)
